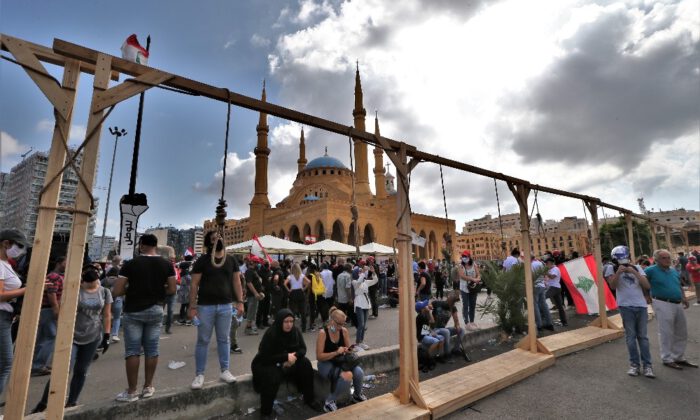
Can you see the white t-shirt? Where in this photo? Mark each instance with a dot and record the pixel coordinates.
(12, 282)
(509, 262)
(556, 281)
(629, 292)
(328, 282)
(538, 265)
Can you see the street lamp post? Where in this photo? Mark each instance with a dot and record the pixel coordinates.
(116, 132)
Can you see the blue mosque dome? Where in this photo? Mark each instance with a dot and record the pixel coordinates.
(325, 161)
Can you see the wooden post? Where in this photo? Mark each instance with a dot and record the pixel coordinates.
(76, 251)
(521, 192)
(16, 395)
(630, 236)
(669, 242)
(654, 242)
(595, 242)
(686, 239)
(408, 358)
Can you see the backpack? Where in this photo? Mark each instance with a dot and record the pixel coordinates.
(317, 286)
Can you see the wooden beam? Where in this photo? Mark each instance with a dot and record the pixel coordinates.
(630, 236)
(16, 397)
(669, 242)
(48, 56)
(76, 251)
(654, 241)
(521, 192)
(129, 88)
(595, 243)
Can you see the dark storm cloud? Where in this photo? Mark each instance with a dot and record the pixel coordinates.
(607, 99)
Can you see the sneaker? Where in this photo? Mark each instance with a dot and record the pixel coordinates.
(330, 407)
(226, 376)
(359, 398)
(696, 304)
(188, 323)
(124, 396)
(648, 372)
(115, 339)
(148, 392)
(236, 349)
(363, 346)
(251, 331)
(198, 382)
(373, 317)
(633, 371)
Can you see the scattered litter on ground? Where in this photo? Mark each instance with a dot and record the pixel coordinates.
(175, 365)
(251, 410)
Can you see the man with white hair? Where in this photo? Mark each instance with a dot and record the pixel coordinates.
(667, 298)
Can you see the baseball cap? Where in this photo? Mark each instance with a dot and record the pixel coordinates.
(421, 304)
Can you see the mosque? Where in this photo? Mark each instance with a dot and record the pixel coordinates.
(319, 203)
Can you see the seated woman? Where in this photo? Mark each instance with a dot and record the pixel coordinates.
(94, 315)
(334, 341)
(282, 353)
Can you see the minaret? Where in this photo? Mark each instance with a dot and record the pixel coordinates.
(301, 162)
(260, 202)
(362, 190)
(389, 181)
(379, 178)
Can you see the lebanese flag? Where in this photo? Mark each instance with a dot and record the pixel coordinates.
(189, 252)
(258, 250)
(133, 51)
(580, 277)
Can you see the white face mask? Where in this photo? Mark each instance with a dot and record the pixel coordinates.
(15, 252)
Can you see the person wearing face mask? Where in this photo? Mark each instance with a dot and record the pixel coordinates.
(332, 344)
(13, 244)
(469, 279)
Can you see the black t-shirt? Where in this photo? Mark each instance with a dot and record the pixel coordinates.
(252, 277)
(442, 312)
(148, 277)
(216, 284)
(422, 326)
(426, 289)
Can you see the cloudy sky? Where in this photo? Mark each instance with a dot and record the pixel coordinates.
(597, 97)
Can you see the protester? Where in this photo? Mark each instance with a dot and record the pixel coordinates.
(553, 282)
(693, 269)
(682, 263)
(543, 319)
(296, 285)
(93, 316)
(282, 353)
(630, 283)
(276, 287)
(423, 289)
(262, 315)
(183, 292)
(667, 298)
(215, 285)
(317, 303)
(110, 280)
(329, 284)
(362, 304)
(443, 310)
(344, 290)
(13, 244)
(469, 279)
(513, 259)
(373, 290)
(428, 338)
(254, 295)
(46, 331)
(144, 281)
(335, 360)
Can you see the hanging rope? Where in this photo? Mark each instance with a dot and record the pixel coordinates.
(448, 237)
(500, 222)
(221, 207)
(353, 205)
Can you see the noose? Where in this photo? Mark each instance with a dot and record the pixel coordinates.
(221, 207)
(353, 206)
(500, 223)
(448, 237)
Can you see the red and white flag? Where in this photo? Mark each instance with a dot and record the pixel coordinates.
(133, 51)
(580, 277)
(189, 252)
(258, 250)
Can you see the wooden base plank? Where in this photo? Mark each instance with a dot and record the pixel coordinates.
(582, 338)
(481, 379)
(385, 407)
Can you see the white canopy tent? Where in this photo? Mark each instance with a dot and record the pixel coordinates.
(330, 247)
(374, 248)
(272, 245)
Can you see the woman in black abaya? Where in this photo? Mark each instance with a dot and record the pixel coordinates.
(282, 353)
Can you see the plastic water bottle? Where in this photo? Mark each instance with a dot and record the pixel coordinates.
(196, 321)
(234, 313)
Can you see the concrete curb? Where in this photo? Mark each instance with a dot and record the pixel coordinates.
(218, 399)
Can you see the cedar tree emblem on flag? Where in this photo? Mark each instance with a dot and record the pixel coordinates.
(133, 51)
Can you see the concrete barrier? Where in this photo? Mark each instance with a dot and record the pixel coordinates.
(218, 399)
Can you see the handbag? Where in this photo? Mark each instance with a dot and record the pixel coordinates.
(347, 361)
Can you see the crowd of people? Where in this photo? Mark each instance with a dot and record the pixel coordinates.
(218, 293)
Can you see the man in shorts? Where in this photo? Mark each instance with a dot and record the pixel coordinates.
(144, 281)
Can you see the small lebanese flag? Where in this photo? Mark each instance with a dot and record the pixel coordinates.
(580, 277)
(133, 51)
(258, 250)
(189, 252)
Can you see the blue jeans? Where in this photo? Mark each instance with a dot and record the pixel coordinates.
(382, 284)
(142, 331)
(5, 348)
(169, 304)
(468, 306)
(80, 360)
(212, 317)
(541, 308)
(634, 320)
(45, 339)
(326, 369)
(361, 315)
(117, 306)
(445, 333)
